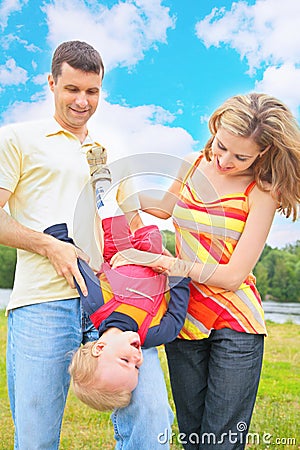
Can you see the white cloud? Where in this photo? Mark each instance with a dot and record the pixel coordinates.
(143, 129)
(7, 7)
(11, 74)
(8, 39)
(123, 130)
(281, 82)
(283, 231)
(265, 34)
(40, 79)
(40, 107)
(122, 34)
(205, 118)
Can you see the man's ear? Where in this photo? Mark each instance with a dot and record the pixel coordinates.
(51, 82)
(97, 348)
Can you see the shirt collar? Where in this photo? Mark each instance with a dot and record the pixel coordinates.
(53, 127)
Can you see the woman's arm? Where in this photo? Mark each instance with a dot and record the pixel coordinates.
(246, 253)
(163, 208)
(228, 276)
(250, 244)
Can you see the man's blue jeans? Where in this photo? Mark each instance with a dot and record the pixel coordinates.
(145, 413)
(214, 383)
(41, 342)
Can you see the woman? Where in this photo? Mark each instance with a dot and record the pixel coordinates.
(223, 207)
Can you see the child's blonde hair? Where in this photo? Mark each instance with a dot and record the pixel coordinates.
(82, 370)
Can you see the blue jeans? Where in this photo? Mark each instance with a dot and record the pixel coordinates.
(145, 410)
(214, 383)
(41, 341)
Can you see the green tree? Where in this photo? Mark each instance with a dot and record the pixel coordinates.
(278, 271)
(169, 240)
(282, 282)
(262, 281)
(8, 257)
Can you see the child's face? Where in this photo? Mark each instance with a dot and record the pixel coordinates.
(119, 358)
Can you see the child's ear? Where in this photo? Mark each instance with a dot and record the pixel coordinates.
(97, 348)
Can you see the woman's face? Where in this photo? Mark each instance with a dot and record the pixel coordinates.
(233, 154)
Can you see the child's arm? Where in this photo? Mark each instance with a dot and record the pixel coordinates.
(174, 318)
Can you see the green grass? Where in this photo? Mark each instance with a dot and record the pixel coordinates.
(275, 423)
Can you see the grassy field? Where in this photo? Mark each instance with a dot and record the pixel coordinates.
(275, 423)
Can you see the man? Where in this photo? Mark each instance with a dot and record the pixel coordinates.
(43, 171)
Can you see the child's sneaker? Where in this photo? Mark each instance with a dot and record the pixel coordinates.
(100, 173)
(96, 158)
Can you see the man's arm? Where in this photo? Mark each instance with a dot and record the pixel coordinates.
(63, 256)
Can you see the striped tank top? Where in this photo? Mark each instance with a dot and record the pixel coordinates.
(208, 233)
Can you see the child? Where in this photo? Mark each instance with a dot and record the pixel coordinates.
(131, 306)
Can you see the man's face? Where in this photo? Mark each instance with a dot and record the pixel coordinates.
(76, 96)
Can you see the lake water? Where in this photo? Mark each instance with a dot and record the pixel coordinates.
(277, 312)
(281, 312)
(4, 297)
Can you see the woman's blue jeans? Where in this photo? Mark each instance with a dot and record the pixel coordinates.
(41, 341)
(214, 383)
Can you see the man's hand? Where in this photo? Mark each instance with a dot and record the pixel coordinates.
(63, 256)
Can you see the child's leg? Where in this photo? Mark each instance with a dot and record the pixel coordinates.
(134, 220)
(117, 236)
(117, 228)
(148, 239)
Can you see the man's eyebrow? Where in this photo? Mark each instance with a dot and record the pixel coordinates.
(70, 85)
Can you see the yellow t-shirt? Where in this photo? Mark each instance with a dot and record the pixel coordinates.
(45, 168)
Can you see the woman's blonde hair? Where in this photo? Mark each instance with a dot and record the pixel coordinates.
(269, 123)
(82, 370)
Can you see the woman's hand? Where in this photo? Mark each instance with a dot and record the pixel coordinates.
(179, 268)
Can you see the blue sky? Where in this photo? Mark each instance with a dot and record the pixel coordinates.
(169, 64)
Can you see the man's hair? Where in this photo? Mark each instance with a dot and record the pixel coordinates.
(78, 55)
(82, 370)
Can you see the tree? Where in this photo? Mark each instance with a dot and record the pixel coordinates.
(278, 273)
(8, 258)
(262, 281)
(169, 240)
